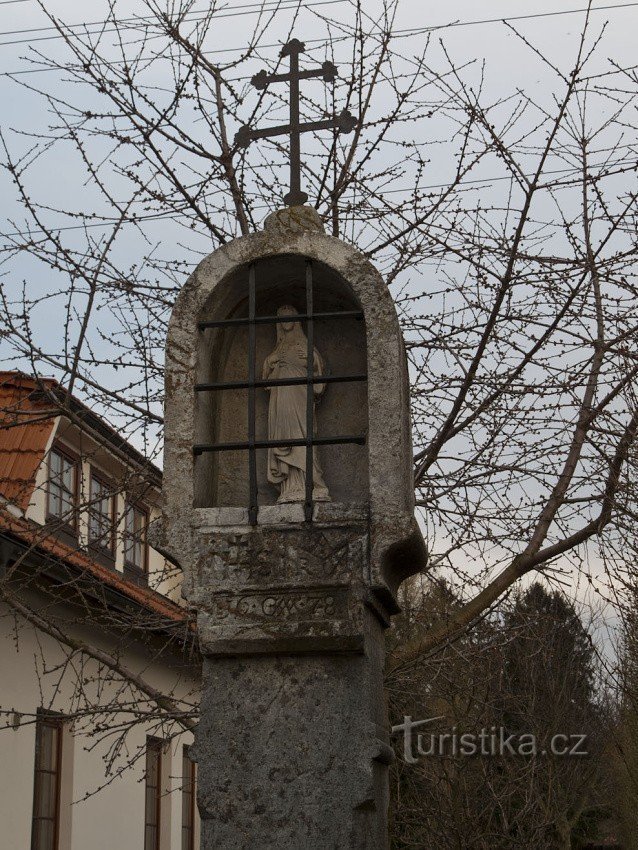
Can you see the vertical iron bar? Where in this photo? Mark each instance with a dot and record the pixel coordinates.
(310, 394)
(252, 460)
(295, 142)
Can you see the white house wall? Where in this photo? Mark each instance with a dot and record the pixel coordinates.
(114, 816)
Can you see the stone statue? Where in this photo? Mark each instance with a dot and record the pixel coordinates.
(287, 412)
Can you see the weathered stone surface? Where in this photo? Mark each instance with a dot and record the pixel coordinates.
(269, 556)
(293, 221)
(292, 744)
(299, 748)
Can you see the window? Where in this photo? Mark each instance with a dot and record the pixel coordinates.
(135, 548)
(188, 801)
(101, 514)
(63, 486)
(153, 805)
(45, 826)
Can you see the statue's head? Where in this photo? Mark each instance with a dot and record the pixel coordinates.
(287, 327)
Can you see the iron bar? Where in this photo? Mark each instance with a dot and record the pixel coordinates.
(252, 460)
(259, 320)
(200, 448)
(279, 382)
(310, 395)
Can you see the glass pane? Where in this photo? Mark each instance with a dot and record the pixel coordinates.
(100, 516)
(44, 835)
(55, 502)
(187, 814)
(134, 537)
(54, 464)
(47, 747)
(152, 801)
(46, 784)
(151, 804)
(67, 475)
(61, 486)
(150, 838)
(67, 501)
(45, 799)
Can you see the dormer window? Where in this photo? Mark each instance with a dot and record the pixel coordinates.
(63, 487)
(135, 545)
(101, 515)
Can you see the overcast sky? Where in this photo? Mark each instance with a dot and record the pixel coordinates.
(507, 65)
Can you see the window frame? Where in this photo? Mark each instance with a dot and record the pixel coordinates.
(188, 840)
(74, 459)
(96, 546)
(156, 745)
(129, 567)
(56, 721)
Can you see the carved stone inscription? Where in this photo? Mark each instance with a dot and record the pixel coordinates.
(283, 605)
(267, 558)
(294, 619)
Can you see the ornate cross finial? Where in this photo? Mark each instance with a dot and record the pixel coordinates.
(345, 122)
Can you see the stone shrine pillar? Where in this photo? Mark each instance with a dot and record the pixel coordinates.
(288, 502)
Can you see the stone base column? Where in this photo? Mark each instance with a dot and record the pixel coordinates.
(293, 751)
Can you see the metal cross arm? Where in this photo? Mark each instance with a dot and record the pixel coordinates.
(345, 122)
(328, 71)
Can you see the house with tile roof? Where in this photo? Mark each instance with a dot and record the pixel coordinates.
(100, 667)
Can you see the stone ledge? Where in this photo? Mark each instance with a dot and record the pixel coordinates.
(211, 519)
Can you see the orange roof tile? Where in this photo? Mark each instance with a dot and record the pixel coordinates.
(25, 428)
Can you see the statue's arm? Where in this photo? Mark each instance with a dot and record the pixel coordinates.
(318, 366)
(267, 368)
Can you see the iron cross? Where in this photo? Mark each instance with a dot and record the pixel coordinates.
(345, 122)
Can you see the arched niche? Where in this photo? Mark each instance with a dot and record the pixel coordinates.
(221, 416)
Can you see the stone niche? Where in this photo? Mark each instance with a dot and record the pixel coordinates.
(207, 527)
(221, 416)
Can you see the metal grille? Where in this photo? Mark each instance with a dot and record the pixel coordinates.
(253, 444)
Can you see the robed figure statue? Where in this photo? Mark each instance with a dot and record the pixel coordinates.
(287, 412)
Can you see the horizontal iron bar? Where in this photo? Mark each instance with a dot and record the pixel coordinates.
(276, 444)
(280, 382)
(270, 320)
